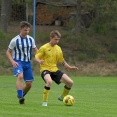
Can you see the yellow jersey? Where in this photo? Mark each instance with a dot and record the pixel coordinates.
(51, 56)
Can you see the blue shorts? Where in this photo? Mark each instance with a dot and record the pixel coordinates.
(26, 69)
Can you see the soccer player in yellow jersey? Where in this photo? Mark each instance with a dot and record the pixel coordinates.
(48, 56)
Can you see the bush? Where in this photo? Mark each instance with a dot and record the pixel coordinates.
(100, 28)
(2, 35)
(82, 57)
(111, 57)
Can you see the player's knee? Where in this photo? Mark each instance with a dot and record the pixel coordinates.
(20, 77)
(71, 82)
(49, 83)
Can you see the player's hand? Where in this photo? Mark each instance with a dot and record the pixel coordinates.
(15, 64)
(74, 68)
(41, 61)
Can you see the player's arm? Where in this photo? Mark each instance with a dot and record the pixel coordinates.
(39, 60)
(35, 50)
(9, 55)
(65, 64)
(38, 55)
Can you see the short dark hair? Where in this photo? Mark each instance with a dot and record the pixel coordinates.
(25, 24)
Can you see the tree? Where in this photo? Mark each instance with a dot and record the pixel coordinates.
(105, 16)
(77, 28)
(9, 11)
(5, 14)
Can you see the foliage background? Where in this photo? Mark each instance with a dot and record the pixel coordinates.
(94, 50)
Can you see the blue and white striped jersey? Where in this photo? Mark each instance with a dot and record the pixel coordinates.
(22, 48)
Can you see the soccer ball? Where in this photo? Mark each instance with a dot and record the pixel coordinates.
(68, 100)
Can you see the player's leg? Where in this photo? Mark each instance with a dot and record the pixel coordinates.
(19, 86)
(68, 84)
(67, 80)
(47, 78)
(28, 78)
(27, 87)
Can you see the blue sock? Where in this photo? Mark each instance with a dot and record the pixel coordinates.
(20, 93)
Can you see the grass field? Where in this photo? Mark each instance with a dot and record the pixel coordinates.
(94, 97)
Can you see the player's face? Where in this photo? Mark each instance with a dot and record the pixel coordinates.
(24, 31)
(54, 40)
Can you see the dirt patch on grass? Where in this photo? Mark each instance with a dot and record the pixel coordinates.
(98, 68)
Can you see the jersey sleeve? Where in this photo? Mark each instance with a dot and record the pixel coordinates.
(33, 44)
(61, 58)
(39, 53)
(12, 44)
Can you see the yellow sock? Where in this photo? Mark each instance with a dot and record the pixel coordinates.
(65, 91)
(45, 95)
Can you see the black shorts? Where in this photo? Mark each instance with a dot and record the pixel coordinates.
(55, 76)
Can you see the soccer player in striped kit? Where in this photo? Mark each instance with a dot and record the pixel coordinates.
(19, 53)
(48, 56)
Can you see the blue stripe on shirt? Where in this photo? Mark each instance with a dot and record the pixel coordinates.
(27, 47)
(19, 52)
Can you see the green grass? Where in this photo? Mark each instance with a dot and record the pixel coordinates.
(94, 97)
